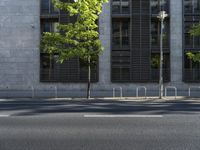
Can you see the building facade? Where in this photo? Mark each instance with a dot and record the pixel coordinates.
(130, 33)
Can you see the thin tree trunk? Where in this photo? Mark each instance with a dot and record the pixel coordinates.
(89, 79)
(50, 66)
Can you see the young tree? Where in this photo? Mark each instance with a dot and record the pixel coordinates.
(194, 57)
(195, 31)
(79, 38)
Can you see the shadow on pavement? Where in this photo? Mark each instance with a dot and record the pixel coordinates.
(40, 107)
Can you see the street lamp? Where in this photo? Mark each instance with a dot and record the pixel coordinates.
(161, 16)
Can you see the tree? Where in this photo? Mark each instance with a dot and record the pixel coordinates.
(79, 38)
(155, 61)
(194, 57)
(195, 31)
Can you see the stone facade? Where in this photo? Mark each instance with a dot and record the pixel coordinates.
(19, 42)
(176, 38)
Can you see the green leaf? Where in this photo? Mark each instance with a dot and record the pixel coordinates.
(79, 38)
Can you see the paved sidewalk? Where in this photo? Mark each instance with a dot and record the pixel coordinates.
(117, 99)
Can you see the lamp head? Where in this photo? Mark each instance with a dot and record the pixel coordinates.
(162, 15)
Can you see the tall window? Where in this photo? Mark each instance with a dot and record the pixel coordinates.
(158, 5)
(189, 64)
(49, 26)
(192, 43)
(192, 17)
(196, 6)
(48, 64)
(188, 37)
(155, 33)
(120, 60)
(192, 70)
(120, 33)
(120, 6)
(188, 7)
(155, 64)
(47, 7)
(121, 65)
(191, 6)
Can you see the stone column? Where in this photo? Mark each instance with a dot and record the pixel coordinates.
(176, 48)
(105, 34)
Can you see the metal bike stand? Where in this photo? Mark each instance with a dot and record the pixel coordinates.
(121, 92)
(141, 87)
(193, 87)
(171, 87)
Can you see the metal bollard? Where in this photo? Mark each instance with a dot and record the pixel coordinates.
(189, 90)
(113, 92)
(56, 92)
(33, 91)
(121, 92)
(171, 87)
(141, 87)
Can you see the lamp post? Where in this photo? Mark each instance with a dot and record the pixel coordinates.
(161, 16)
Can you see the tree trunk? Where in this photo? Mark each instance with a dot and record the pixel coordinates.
(50, 66)
(89, 79)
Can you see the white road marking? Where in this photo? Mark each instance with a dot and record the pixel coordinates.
(123, 116)
(4, 115)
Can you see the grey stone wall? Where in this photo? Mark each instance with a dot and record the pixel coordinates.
(19, 42)
(176, 38)
(105, 36)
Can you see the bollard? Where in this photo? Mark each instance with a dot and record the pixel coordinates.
(33, 91)
(189, 90)
(56, 92)
(141, 87)
(121, 92)
(171, 87)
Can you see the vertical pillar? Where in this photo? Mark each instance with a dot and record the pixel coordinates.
(176, 46)
(37, 45)
(105, 36)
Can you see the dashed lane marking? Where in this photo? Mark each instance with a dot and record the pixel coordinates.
(123, 116)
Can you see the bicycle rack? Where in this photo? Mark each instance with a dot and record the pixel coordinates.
(189, 90)
(171, 87)
(121, 92)
(141, 87)
(7, 88)
(56, 92)
(32, 91)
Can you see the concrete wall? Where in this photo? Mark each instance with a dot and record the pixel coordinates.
(19, 42)
(105, 36)
(176, 38)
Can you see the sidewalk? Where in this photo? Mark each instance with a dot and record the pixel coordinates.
(116, 99)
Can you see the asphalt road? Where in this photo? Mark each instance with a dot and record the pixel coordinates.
(99, 125)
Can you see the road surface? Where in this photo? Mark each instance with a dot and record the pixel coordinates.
(99, 125)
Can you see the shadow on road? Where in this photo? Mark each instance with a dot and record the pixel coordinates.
(39, 107)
